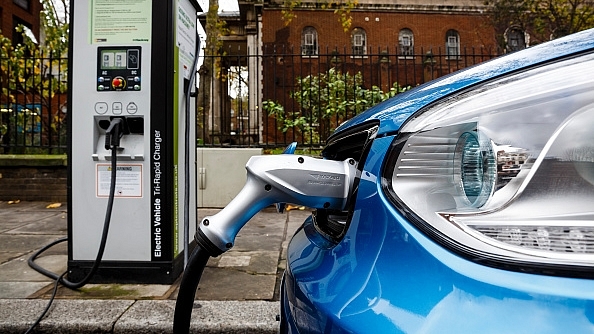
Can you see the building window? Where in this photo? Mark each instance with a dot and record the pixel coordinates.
(406, 43)
(17, 37)
(452, 44)
(359, 42)
(515, 39)
(309, 41)
(22, 3)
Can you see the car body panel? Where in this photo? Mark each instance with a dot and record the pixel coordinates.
(343, 289)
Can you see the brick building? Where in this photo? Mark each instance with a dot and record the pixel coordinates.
(402, 26)
(407, 42)
(15, 12)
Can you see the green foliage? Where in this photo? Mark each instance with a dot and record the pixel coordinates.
(29, 132)
(309, 151)
(541, 19)
(32, 74)
(288, 11)
(24, 124)
(325, 101)
(289, 120)
(341, 8)
(29, 66)
(55, 24)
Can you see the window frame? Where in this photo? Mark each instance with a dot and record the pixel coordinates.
(521, 38)
(359, 43)
(309, 48)
(406, 51)
(24, 4)
(452, 48)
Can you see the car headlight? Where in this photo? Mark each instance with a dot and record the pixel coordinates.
(504, 172)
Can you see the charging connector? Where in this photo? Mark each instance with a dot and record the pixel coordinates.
(114, 133)
(285, 178)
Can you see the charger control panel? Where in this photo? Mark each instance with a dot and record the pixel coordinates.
(118, 69)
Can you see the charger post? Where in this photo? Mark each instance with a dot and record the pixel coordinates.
(130, 60)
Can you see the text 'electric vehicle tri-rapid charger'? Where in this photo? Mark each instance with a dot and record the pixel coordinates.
(132, 60)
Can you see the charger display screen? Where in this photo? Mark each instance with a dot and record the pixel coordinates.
(113, 60)
(118, 68)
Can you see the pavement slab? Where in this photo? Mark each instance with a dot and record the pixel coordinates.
(24, 243)
(18, 270)
(24, 217)
(115, 291)
(14, 290)
(55, 224)
(224, 284)
(7, 256)
(238, 292)
(65, 316)
(207, 317)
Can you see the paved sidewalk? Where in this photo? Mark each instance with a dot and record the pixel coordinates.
(238, 292)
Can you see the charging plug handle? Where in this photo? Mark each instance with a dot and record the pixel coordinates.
(114, 133)
(300, 180)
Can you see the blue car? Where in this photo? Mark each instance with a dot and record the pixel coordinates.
(473, 209)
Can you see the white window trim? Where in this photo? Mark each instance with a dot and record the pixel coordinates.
(453, 42)
(312, 35)
(359, 40)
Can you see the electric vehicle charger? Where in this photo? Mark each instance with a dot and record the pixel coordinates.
(285, 178)
(112, 142)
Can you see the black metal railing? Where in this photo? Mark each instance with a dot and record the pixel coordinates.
(267, 99)
(292, 96)
(33, 105)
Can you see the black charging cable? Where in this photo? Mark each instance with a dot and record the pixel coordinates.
(188, 144)
(112, 142)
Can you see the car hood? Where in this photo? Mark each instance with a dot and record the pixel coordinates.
(395, 111)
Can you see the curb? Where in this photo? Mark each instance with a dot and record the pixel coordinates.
(136, 316)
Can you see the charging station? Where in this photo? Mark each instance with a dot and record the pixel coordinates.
(131, 60)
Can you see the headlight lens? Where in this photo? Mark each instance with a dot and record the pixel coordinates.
(504, 173)
(474, 169)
